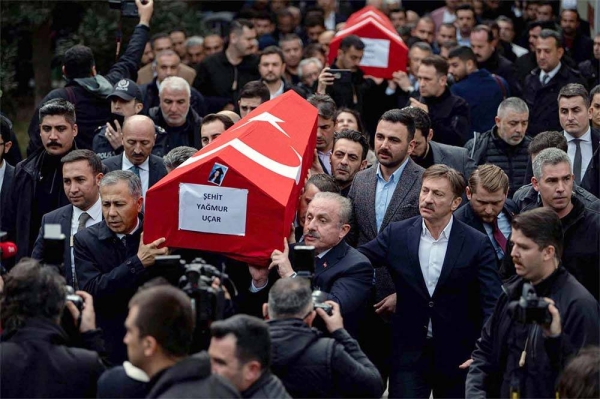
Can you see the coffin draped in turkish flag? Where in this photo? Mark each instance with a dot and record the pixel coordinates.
(366, 12)
(385, 52)
(238, 195)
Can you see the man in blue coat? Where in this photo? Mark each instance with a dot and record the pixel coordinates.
(446, 286)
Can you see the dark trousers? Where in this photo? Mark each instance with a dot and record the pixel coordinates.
(423, 377)
(375, 339)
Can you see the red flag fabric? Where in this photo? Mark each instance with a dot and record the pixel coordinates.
(385, 52)
(238, 195)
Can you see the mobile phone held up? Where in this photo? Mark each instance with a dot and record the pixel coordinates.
(342, 75)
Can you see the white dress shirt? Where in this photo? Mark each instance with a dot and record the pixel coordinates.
(325, 158)
(144, 172)
(587, 151)
(552, 73)
(432, 253)
(95, 213)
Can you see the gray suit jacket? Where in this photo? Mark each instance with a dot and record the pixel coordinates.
(455, 157)
(403, 205)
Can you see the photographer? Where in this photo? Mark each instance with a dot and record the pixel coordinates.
(335, 367)
(525, 345)
(36, 360)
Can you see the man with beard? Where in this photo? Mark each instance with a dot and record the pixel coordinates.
(291, 45)
(506, 144)
(483, 91)
(125, 101)
(224, 74)
(175, 115)
(577, 45)
(483, 44)
(37, 184)
(349, 156)
(325, 130)
(449, 113)
(428, 152)
(381, 195)
(271, 67)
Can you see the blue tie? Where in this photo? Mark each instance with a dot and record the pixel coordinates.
(136, 169)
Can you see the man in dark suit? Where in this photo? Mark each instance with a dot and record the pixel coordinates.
(428, 152)
(111, 259)
(82, 172)
(446, 284)
(138, 140)
(341, 272)
(582, 139)
(489, 211)
(7, 172)
(380, 195)
(543, 83)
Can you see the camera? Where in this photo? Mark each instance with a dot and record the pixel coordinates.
(208, 303)
(72, 297)
(319, 298)
(304, 260)
(127, 7)
(530, 308)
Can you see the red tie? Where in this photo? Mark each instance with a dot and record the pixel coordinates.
(498, 236)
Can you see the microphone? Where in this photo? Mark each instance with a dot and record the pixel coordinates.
(7, 250)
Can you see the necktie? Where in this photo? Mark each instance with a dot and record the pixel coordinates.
(124, 241)
(577, 161)
(545, 79)
(83, 218)
(136, 169)
(498, 236)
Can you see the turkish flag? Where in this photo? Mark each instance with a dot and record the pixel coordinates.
(369, 12)
(385, 52)
(238, 195)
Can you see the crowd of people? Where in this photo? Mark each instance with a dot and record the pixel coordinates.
(453, 211)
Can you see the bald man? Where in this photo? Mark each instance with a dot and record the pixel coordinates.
(138, 141)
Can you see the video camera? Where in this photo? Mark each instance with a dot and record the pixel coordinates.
(127, 8)
(304, 262)
(53, 255)
(530, 308)
(208, 303)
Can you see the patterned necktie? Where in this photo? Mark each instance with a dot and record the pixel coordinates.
(136, 169)
(499, 237)
(83, 218)
(545, 79)
(577, 161)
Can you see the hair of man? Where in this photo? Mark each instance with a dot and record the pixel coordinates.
(58, 106)
(441, 171)
(489, 177)
(253, 341)
(165, 313)
(543, 227)
(133, 181)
